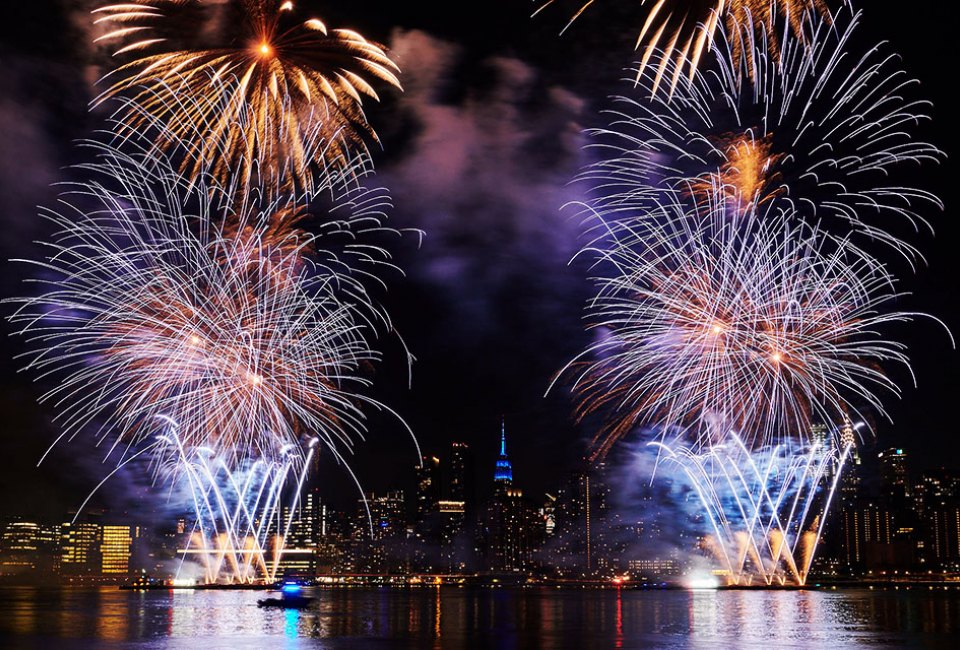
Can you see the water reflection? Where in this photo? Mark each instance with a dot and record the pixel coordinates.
(442, 617)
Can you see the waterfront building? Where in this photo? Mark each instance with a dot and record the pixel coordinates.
(80, 548)
(585, 539)
(29, 549)
(654, 568)
(116, 546)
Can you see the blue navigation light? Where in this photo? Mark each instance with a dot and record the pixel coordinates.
(291, 588)
(384, 524)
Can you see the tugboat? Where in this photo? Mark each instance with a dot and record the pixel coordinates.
(291, 597)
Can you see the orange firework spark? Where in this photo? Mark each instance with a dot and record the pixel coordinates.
(683, 30)
(747, 176)
(263, 98)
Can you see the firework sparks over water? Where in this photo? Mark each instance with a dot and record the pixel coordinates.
(240, 529)
(676, 34)
(765, 509)
(710, 325)
(822, 129)
(260, 98)
(148, 310)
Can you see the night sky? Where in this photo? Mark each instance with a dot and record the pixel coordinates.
(477, 153)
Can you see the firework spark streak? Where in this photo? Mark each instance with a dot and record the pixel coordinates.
(240, 530)
(148, 309)
(765, 508)
(820, 129)
(682, 31)
(707, 325)
(276, 104)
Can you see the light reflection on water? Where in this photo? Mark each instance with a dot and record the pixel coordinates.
(452, 617)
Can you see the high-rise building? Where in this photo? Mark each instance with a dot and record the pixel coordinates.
(428, 487)
(307, 523)
(509, 529)
(453, 542)
(819, 434)
(386, 515)
(936, 502)
(589, 538)
(576, 514)
(503, 471)
(848, 439)
(549, 514)
(863, 526)
(303, 526)
(944, 536)
(894, 477)
(29, 549)
(80, 548)
(873, 539)
(459, 473)
(116, 544)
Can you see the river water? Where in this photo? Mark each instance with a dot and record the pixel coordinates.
(457, 617)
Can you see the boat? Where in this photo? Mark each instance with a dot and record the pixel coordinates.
(291, 597)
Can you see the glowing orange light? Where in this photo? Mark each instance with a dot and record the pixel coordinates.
(265, 49)
(776, 357)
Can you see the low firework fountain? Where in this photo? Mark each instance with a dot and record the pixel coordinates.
(241, 523)
(766, 508)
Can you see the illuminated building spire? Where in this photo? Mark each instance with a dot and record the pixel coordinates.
(503, 472)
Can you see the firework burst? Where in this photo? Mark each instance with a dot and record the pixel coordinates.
(681, 32)
(708, 325)
(821, 129)
(253, 98)
(765, 508)
(149, 311)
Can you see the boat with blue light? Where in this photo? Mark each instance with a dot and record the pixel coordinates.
(291, 597)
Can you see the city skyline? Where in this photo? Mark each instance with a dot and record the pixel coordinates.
(886, 517)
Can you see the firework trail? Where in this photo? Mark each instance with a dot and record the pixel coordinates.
(157, 302)
(765, 508)
(676, 34)
(821, 129)
(240, 528)
(709, 325)
(245, 91)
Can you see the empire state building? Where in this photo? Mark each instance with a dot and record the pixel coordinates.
(503, 472)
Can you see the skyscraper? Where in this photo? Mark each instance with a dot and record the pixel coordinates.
(459, 484)
(508, 525)
(428, 487)
(29, 548)
(386, 515)
(80, 548)
(116, 545)
(893, 473)
(503, 471)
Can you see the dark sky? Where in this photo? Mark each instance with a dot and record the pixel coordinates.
(477, 153)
